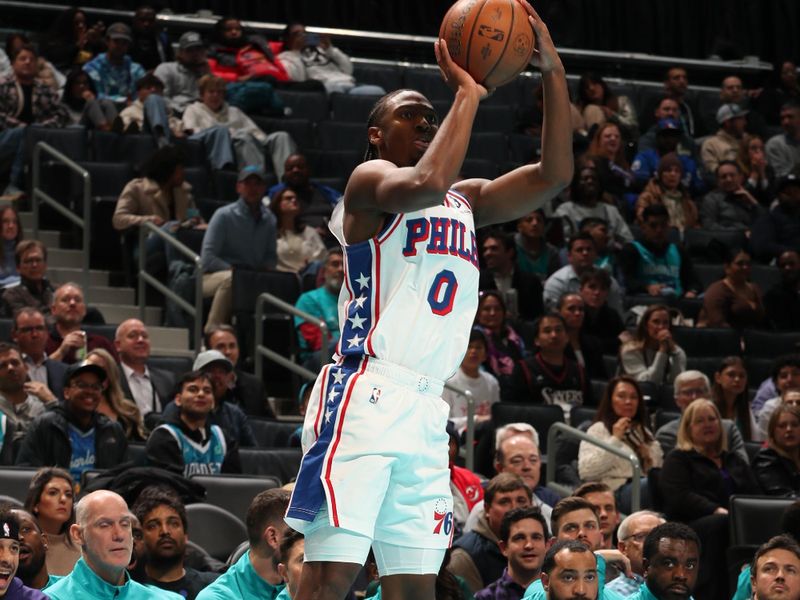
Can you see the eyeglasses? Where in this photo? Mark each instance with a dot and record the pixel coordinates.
(636, 537)
(83, 386)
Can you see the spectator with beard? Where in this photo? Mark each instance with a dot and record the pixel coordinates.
(775, 570)
(32, 568)
(667, 139)
(150, 46)
(782, 301)
(165, 533)
(180, 77)
(667, 108)
(570, 571)
(602, 498)
(779, 230)
(12, 588)
(671, 560)
(114, 73)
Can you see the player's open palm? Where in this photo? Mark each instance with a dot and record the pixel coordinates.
(545, 57)
(454, 76)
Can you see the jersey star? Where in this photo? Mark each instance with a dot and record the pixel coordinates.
(357, 322)
(363, 281)
(332, 396)
(328, 414)
(338, 377)
(355, 341)
(360, 302)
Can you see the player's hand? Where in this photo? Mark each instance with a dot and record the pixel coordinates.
(545, 57)
(454, 76)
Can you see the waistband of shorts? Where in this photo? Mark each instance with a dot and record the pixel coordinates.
(421, 384)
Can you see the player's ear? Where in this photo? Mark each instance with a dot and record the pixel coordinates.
(374, 135)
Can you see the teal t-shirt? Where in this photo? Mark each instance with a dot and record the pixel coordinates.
(743, 588)
(536, 590)
(242, 582)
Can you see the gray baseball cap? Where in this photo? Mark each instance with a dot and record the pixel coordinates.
(119, 31)
(190, 39)
(211, 356)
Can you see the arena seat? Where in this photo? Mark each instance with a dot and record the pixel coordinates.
(225, 185)
(15, 481)
(272, 434)
(71, 141)
(178, 365)
(540, 416)
(479, 167)
(215, 529)
(389, 77)
(708, 273)
(234, 493)
(301, 130)
(523, 148)
(351, 108)
(337, 135)
(198, 178)
(493, 119)
(334, 163)
(305, 105)
(705, 364)
(708, 341)
(769, 344)
(758, 369)
(755, 519)
(488, 146)
(765, 276)
(662, 417)
(696, 242)
(281, 463)
(429, 83)
(108, 178)
(117, 147)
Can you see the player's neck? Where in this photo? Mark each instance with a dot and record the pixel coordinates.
(523, 577)
(265, 567)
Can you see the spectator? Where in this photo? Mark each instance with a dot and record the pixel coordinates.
(583, 348)
(150, 45)
(734, 301)
(84, 107)
(243, 234)
(550, 376)
(249, 142)
(149, 388)
(50, 499)
(500, 273)
(602, 498)
(760, 176)
(505, 348)
(150, 113)
(606, 249)
(777, 467)
(523, 541)
(482, 385)
(653, 355)
(235, 56)
(230, 417)
(655, 266)
(724, 145)
(299, 246)
(24, 101)
(190, 444)
(729, 206)
(782, 88)
(74, 435)
(255, 575)
(33, 548)
(33, 290)
(676, 86)
(570, 571)
(621, 421)
(588, 199)
(104, 533)
(113, 403)
(535, 254)
(696, 482)
(671, 559)
(312, 56)
(732, 91)
(783, 150)
(600, 105)
(782, 301)
(785, 375)
(11, 587)
(317, 200)
(599, 319)
(668, 136)
(67, 342)
(11, 235)
(29, 332)
(775, 567)
(667, 108)
(21, 401)
(290, 563)
(465, 486)
(70, 42)
(667, 189)
(323, 303)
(476, 555)
(46, 73)
(607, 152)
(114, 73)
(247, 391)
(788, 395)
(180, 77)
(731, 398)
(632, 533)
(779, 230)
(165, 532)
(582, 253)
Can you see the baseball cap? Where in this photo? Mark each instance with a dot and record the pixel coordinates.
(668, 124)
(190, 39)
(730, 111)
(789, 179)
(76, 369)
(119, 31)
(211, 356)
(252, 170)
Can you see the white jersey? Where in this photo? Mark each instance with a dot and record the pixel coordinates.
(410, 294)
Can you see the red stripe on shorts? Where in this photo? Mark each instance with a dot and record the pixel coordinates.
(321, 408)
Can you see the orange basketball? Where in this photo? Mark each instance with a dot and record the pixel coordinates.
(491, 39)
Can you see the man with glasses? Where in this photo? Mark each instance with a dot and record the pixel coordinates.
(74, 435)
(34, 290)
(689, 386)
(29, 332)
(631, 533)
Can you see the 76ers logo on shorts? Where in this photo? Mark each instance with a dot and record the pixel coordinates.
(442, 518)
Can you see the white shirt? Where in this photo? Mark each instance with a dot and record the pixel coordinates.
(36, 372)
(142, 390)
(485, 390)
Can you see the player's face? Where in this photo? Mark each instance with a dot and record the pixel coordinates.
(406, 129)
(672, 572)
(574, 577)
(526, 546)
(581, 525)
(607, 508)
(777, 576)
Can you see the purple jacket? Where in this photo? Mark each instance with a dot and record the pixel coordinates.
(18, 591)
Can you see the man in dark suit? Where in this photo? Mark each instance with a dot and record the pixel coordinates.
(499, 257)
(29, 332)
(248, 391)
(150, 388)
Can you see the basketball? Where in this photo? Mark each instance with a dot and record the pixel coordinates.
(491, 39)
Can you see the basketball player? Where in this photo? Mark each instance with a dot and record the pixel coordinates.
(375, 471)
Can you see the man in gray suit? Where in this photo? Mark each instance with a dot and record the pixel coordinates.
(29, 332)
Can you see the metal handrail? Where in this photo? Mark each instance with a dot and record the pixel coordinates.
(39, 195)
(565, 431)
(196, 311)
(261, 350)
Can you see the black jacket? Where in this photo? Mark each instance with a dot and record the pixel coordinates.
(163, 381)
(164, 452)
(47, 442)
(228, 416)
(529, 292)
(250, 395)
(55, 376)
(777, 474)
(692, 485)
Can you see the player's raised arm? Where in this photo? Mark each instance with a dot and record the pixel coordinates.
(419, 160)
(526, 188)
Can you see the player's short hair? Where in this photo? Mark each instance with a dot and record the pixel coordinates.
(580, 236)
(671, 530)
(591, 487)
(779, 542)
(287, 543)
(152, 497)
(376, 115)
(568, 505)
(599, 277)
(571, 545)
(518, 514)
(504, 482)
(267, 508)
(787, 360)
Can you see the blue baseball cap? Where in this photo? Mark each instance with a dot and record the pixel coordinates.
(252, 171)
(667, 124)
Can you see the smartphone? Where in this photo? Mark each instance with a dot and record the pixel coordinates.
(312, 40)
